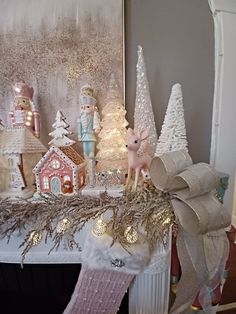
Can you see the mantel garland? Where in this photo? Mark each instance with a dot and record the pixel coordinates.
(58, 217)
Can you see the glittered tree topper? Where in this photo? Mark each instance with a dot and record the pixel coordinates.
(143, 113)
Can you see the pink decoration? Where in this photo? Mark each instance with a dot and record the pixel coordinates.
(36, 123)
(21, 89)
(60, 171)
(98, 291)
(24, 111)
(135, 161)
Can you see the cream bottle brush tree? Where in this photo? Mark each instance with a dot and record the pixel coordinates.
(143, 112)
(173, 133)
(112, 152)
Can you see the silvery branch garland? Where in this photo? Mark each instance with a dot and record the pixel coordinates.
(147, 211)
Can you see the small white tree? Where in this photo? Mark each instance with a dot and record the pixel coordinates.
(60, 133)
(173, 132)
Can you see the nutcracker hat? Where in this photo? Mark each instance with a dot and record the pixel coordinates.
(21, 89)
(87, 95)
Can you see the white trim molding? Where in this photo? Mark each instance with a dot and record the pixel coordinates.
(222, 6)
(223, 141)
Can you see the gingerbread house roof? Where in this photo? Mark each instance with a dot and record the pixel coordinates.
(19, 140)
(68, 153)
(72, 154)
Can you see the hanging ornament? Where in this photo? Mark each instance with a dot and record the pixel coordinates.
(35, 237)
(131, 235)
(63, 225)
(100, 227)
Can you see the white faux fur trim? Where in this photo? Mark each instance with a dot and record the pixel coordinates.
(98, 253)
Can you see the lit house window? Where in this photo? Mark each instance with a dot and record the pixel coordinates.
(45, 183)
(55, 164)
(66, 178)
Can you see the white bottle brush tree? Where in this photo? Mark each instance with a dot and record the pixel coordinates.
(60, 133)
(112, 152)
(173, 132)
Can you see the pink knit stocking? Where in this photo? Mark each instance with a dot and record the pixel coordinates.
(98, 291)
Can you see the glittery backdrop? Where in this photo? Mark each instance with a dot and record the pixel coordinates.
(56, 46)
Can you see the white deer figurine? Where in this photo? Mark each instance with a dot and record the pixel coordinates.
(135, 161)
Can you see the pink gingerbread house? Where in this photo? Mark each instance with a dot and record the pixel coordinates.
(60, 171)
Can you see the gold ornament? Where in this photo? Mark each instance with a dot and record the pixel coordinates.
(63, 225)
(100, 227)
(131, 235)
(35, 237)
(167, 221)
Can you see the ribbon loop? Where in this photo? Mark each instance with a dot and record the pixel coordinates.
(200, 179)
(192, 190)
(165, 167)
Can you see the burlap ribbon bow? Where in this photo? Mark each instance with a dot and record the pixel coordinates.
(202, 243)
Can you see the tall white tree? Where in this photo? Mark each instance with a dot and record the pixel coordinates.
(60, 133)
(143, 112)
(173, 132)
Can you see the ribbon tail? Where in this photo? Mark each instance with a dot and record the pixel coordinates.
(202, 259)
(194, 274)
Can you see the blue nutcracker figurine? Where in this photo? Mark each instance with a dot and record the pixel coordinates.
(88, 122)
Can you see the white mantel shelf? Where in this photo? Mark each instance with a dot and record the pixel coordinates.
(11, 253)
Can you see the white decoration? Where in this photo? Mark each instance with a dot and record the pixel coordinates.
(99, 253)
(112, 153)
(223, 148)
(173, 132)
(60, 133)
(91, 165)
(143, 113)
(149, 292)
(18, 145)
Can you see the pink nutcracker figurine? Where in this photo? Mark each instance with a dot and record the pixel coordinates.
(24, 111)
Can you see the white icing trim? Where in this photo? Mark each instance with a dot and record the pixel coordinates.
(57, 150)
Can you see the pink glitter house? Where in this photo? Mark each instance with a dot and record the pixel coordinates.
(60, 171)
